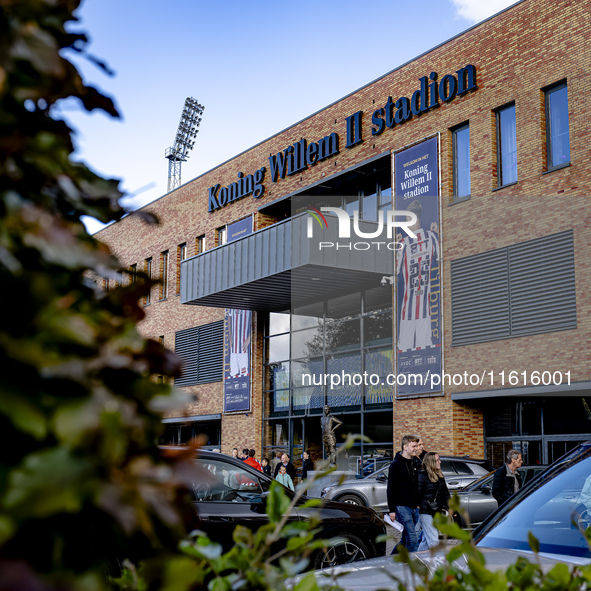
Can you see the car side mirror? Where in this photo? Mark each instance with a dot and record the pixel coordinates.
(486, 489)
(381, 477)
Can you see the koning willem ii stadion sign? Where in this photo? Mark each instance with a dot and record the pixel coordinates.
(418, 270)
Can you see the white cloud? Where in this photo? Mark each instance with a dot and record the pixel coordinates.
(478, 10)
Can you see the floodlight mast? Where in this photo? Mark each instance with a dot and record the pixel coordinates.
(184, 141)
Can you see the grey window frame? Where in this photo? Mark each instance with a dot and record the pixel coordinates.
(549, 132)
(498, 113)
(164, 260)
(455, 132)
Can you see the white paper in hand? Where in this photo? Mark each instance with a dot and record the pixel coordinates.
(395, 524)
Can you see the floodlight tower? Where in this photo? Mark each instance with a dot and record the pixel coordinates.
(184, 141)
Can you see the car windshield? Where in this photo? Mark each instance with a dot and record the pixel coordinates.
(556, 512)
(374, 475)
(486, 479)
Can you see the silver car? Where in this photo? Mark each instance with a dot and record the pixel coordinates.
(477, 501)
(371, 490)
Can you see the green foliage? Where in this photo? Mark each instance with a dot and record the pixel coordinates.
(82, 482)
(81, 479)
(258, 561)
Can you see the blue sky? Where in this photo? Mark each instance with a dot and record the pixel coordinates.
(258, 67)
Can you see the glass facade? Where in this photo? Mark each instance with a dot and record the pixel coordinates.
(336, 352)
(543, 429)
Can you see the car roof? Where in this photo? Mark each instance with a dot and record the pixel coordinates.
(466, 459)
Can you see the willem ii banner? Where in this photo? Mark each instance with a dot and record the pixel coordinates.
(418, 272)
(237, 333)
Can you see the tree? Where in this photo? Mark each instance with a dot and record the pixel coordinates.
(81, 477)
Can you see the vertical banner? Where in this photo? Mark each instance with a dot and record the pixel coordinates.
(237, 333)
(418, 270)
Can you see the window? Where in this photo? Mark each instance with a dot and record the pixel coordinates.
(164, 274)
(133, 275)
(557, 136)
(222, 235)
(148, 270)
(201, 350)
(200, 244)
(506, 146)
(526, 288)
(181, 256)
(461, 161)
(227, 483)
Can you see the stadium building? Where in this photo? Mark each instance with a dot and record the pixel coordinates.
(288, 284)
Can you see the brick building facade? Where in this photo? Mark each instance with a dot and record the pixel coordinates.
(514, 232)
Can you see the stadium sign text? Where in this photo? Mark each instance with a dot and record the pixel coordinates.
(304, 153)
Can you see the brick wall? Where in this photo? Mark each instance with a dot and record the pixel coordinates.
(526, 48)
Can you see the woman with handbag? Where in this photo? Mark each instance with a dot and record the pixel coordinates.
(433, 497)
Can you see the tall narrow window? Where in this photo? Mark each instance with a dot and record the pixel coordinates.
(148, 270)
(557, 136)
(506, 146)
(222, 235)
(200, 244)
(181, 256)
(133, 275)
(164, 274)
(461, 161)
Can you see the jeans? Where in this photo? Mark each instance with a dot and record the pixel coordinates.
(409, 518)
(430, 534)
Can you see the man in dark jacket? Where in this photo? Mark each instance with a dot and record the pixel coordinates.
(507, 480)
(403, 497)
(288, 466)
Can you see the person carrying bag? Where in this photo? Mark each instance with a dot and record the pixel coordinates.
(433, 498)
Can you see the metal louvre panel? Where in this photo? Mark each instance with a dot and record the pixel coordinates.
(201, 349)
(542, 288)
(185, 346)
(480, 298)
(211, 352)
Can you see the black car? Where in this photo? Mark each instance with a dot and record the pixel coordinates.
(232, 493)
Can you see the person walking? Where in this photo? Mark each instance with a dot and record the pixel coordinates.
(307, 464)
(403, 493)
(289, 467)
(275, 461)
(284, 478)
(433, 498)
(507, 480)
(251, 461)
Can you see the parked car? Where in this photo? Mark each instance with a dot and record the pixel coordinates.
(371, 490)
(232, 492)
(555, 507)
(477, 501)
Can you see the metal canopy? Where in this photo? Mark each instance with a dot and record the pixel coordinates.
(279, 267)
(572, 389)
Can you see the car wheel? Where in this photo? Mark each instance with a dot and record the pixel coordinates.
(582, 518)
(350, 550)
(352, 500)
